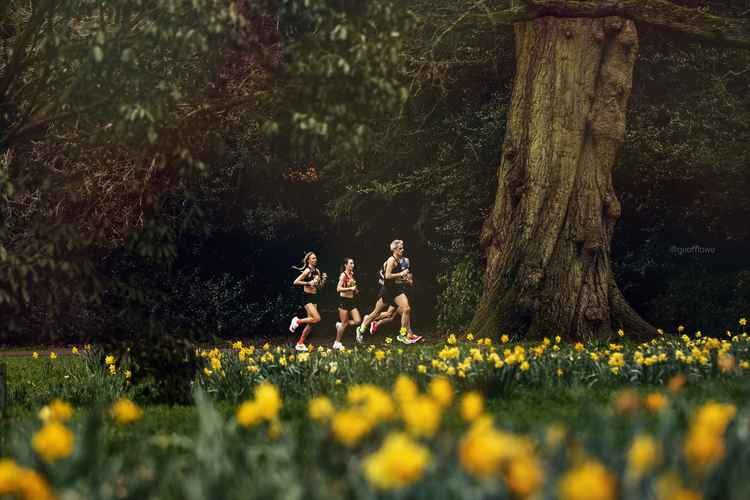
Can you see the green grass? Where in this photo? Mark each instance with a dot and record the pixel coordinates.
(29, 370)
(30, 379)
(524, 408)
(181, 438)
(521, 408)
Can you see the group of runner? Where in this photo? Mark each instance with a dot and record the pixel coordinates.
(395, 277)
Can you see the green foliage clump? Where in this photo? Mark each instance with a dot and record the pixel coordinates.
(460, 296)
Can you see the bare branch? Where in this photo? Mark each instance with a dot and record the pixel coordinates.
(732, 32)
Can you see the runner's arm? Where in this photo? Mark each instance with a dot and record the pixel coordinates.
(340, 285)
(389, 267)
(301, 277)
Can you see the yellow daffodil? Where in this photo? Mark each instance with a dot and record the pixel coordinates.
(124, 411)
(422, 416)
(398, 463)
(53, 441)
(483, 451)
(441, 390)
(248, 414)
(644, 454)
(320, 408)
(22, 483)
(350, 426)
(704, 443)
(589, 481)
(472, 406)
(59, 410)
(676, 382)
(268, 399)
(373, 401)
(525, 476)
(404, 389)
(655, 402)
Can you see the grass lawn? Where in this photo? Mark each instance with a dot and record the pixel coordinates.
(521, 409)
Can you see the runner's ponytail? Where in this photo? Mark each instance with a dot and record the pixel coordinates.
(304, 262)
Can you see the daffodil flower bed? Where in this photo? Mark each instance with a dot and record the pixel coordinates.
(388, 421)
(474, 363)
(389, 442)
(88, 377)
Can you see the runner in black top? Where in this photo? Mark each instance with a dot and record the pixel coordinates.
(393, 291)
(347, 289)
(390, 314)
(308, 280)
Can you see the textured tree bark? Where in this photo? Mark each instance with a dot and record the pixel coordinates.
(547, 238)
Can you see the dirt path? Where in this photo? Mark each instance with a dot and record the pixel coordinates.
(42, 351)
(319, 338)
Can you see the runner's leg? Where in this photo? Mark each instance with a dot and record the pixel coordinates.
(402, 301)
(343, 315)
(313, 317)
(384, 317)
(379, 306)
(356, 319)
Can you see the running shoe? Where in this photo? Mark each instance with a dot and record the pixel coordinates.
(403, 339)
(300, 347)
(414, 339)
(294, 324)
(359, 335)
(373, 327)
(338, 346)
(360, 329)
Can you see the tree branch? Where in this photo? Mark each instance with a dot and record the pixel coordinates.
(732, 32)
(40, 123)
(12, 72)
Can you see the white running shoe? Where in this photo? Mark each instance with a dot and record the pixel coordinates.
(300, 347)
(294, 324)
(338, 346)
(359, 335)
(338, 325)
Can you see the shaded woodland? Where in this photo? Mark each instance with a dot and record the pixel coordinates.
(162, 173)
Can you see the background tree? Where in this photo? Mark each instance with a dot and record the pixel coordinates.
(548, 236)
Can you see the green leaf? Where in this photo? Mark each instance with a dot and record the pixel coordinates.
(98, 54)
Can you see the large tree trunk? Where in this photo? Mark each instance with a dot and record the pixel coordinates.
(548, 236)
